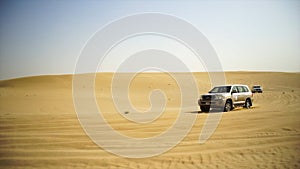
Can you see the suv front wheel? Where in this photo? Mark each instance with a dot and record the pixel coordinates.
(228, 106)
(204, 108)
(247, 104)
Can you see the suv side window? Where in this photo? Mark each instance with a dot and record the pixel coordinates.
(235, 89)
(245, 89)
(240, 89)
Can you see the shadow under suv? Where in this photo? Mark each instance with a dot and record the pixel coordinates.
(226, 97)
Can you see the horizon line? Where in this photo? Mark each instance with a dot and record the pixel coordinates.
(153, 72)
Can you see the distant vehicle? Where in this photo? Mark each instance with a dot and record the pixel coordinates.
(257, 88)
(226, 97)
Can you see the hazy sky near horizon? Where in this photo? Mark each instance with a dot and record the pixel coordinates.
(45, 37)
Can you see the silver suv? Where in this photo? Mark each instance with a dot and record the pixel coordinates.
(257, 88)
(226, 97)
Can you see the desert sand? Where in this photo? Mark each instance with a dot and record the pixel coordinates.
(39, 126)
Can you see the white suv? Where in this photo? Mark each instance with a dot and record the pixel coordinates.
(226, 97)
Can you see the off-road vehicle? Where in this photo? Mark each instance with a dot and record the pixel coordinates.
(226, 97)
(257, 88)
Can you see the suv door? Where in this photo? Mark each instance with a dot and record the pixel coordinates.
(242, 94)
(247, 92)
(235, 95)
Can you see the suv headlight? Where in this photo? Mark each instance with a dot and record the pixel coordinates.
(219, 97)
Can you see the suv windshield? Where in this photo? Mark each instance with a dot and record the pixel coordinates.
(221, 89)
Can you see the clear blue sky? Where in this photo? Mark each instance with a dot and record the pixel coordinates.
(45, 37)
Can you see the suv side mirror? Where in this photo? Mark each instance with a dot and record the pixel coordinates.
(233, 91)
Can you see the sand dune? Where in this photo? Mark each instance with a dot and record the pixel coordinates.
(39, 127)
